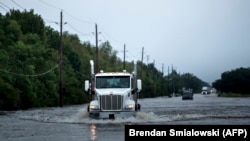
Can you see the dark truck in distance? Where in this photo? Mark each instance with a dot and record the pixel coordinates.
(187, 94)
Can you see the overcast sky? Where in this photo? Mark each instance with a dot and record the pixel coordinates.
(202, 37)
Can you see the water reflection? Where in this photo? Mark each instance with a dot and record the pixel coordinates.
(93, 136)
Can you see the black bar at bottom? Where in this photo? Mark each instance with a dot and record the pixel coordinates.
(163, 132)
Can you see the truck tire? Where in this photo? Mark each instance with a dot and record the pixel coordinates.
(137, 107)
(88, 108)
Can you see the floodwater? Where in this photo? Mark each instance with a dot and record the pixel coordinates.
(71, 123)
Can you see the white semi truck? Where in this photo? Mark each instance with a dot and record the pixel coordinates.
(114, 94)
(205, 90)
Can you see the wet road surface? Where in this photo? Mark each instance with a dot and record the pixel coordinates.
(71, 123)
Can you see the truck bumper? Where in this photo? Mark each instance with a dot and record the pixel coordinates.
(111, 115)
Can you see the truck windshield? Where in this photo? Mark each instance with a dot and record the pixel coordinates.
(112, 82)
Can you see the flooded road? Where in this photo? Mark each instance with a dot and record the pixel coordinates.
(71, 123)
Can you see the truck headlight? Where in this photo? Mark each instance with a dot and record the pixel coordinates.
(130, 106)
(93, 107)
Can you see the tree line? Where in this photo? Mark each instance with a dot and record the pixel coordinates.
(29, 60)
(234, 81)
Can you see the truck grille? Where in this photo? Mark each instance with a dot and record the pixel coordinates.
(111, 102)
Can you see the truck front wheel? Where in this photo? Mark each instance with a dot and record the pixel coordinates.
(88, 108)
(137, 107)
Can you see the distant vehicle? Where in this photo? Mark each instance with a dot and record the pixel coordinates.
(205, 90)
(187, 95)
(213, 90)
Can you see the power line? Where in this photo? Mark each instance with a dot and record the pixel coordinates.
(50, 5)
(134, 57)
(4, 8)
(74, 17)
(112, 37)
(28, 75)
(17, 4)
(105, 35)
(83, 21)
(82, 34)
(5, 5)
(50, 21)
(70, 15)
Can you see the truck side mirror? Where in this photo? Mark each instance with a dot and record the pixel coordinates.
(86, 86)
(134, 90)
(139, 85)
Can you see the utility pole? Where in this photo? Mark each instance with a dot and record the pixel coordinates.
(162, 79)
(162, 69)
(154, 78)
(96, 41)
(61, 63)
(168, 82)
(124, 54)
(147, 59)
(142, 61)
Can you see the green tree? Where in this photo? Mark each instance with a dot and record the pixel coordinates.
(235, 81)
